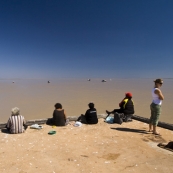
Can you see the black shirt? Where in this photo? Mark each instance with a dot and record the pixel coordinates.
(91, 116)
(59, 118)
(128, 107)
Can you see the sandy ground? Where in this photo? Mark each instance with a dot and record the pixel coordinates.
(97, 148)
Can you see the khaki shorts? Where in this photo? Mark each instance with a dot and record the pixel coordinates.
(155, 114)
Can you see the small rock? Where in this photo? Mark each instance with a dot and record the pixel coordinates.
(107, 162)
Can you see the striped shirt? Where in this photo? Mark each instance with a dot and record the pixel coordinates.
(15, 124)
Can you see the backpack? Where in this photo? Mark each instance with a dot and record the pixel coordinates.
(118, 118)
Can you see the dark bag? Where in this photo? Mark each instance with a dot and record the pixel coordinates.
(49, 121)
(82, 119)
(118, 118)
(127, 118)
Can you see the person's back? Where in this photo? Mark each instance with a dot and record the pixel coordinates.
(128, 107)
(91, 115)
(59, 118)
(59, 115)
(16, 122)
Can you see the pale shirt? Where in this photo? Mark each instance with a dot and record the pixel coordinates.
(155, 97)
(15, 124)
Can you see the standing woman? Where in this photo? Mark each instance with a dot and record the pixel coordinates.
(156, 106)
(59, 115)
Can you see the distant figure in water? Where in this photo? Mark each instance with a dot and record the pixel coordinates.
(156, 106)
(13, 81)
(89, 79)
(16, 123)
(103, 80)
(48, 81)
(59, 115)
(90, 116)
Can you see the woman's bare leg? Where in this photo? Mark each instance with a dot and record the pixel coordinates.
(155, 131)
(150, 128)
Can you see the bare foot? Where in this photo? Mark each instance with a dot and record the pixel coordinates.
(107, 112)
(150, 130)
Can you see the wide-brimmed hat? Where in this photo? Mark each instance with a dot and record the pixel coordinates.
(128, 94)
(158, 81)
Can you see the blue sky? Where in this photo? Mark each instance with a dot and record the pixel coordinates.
(88, 38)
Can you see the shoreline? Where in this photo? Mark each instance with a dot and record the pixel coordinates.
(74, 118)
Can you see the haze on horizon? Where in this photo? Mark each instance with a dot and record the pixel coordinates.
(92, 39)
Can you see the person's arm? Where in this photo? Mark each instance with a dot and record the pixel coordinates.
(122, 104)
(86, 113)
(159, 93)
(65, 115)
(8, 124)
(24, 124)
(24, 121)
(53, 116)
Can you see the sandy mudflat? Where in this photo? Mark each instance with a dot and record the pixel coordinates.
(100, 148)
(36, 98)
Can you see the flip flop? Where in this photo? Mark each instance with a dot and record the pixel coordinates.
(52, 132)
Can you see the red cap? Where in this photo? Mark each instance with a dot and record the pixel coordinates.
(128, 94)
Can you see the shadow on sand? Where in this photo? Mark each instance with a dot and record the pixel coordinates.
(130, 130)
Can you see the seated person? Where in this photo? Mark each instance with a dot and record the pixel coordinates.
(59, 115)
(16, 123)
(90, 116)
(126, 106)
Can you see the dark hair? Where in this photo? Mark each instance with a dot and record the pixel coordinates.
(58, 106)
(91, 105)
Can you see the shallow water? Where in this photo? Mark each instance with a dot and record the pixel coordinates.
(36, 98)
